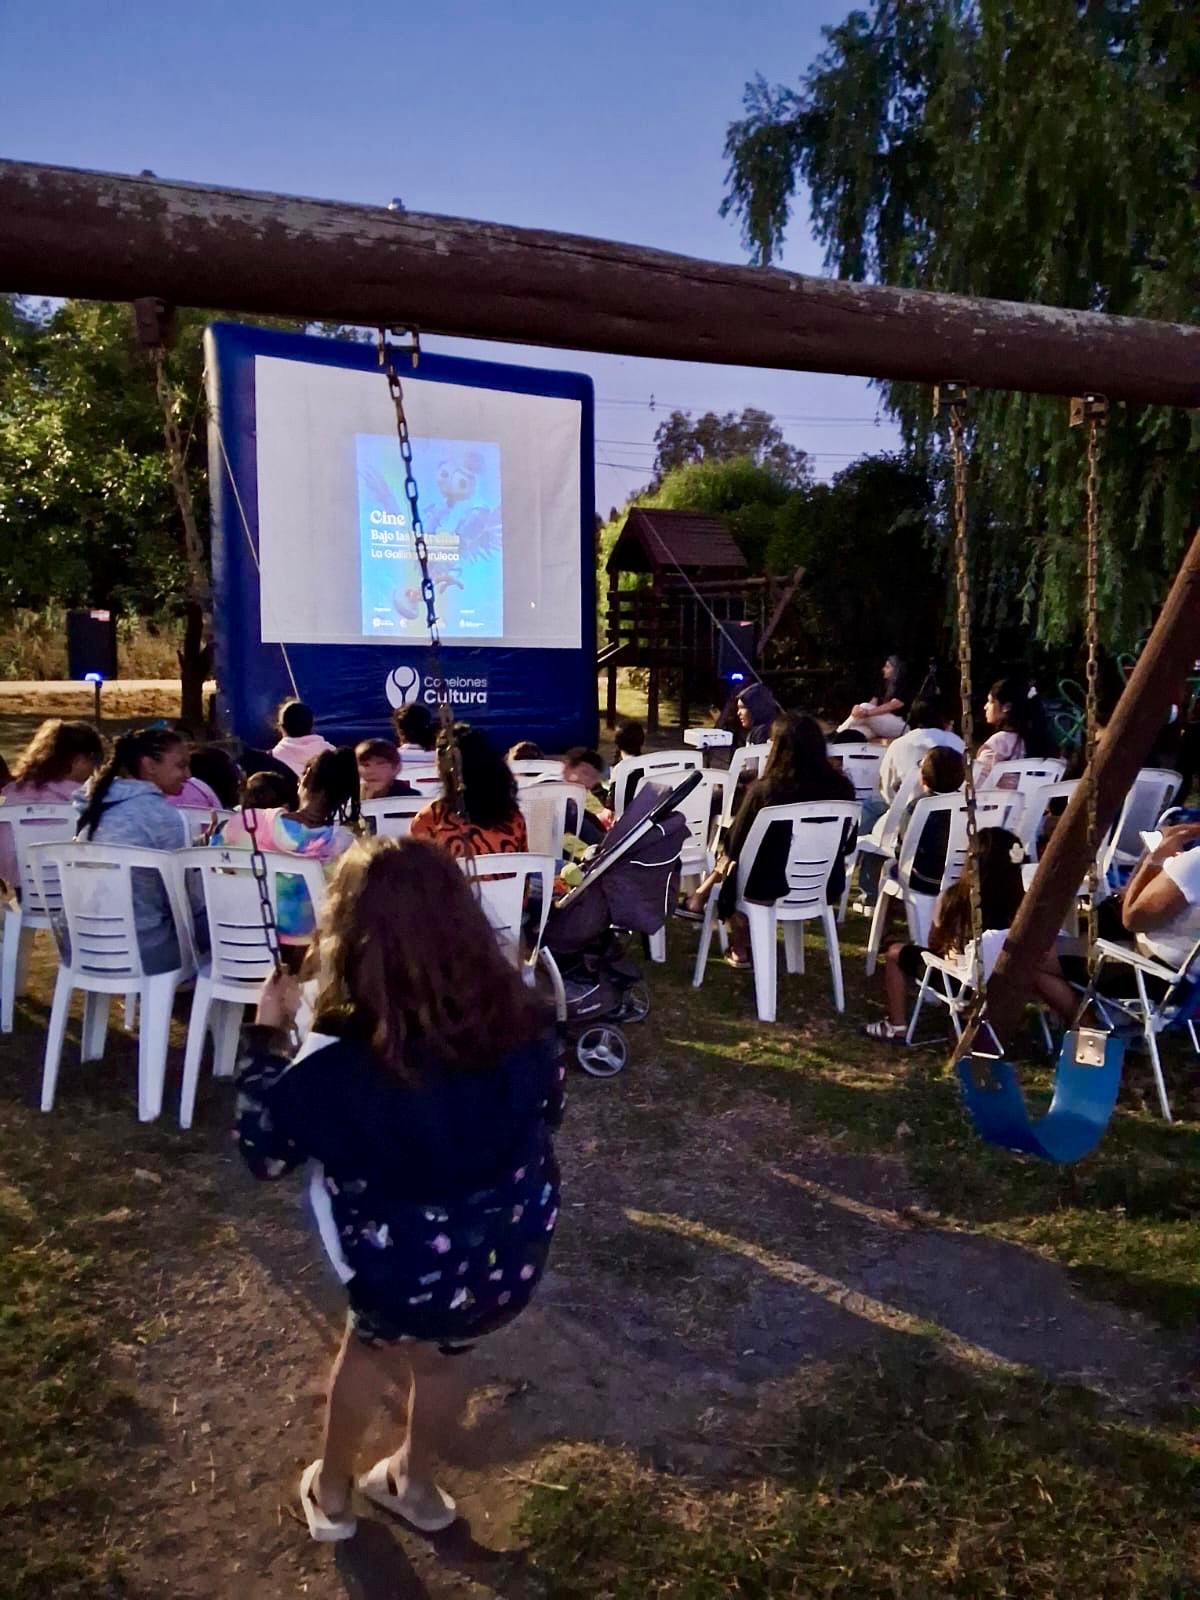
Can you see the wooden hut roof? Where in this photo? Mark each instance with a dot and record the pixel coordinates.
(662, 541)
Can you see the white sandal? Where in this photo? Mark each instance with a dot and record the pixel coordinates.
(884, 1032)
(323, 1528)
(376, 1485)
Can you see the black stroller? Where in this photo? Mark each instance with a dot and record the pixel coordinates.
(629, 886)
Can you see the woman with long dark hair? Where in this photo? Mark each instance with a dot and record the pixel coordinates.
(1017, 719)
(428, 1092)
(128, 802)
(319, 827)
(796, 770)
(478, 815)
(883, 716)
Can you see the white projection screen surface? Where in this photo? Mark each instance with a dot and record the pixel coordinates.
(498, 478)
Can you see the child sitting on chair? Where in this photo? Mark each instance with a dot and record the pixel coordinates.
(428, 1092)
(298, 744)
(379, 767)
(1001, 891)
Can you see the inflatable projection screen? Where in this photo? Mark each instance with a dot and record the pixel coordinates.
(317, 588)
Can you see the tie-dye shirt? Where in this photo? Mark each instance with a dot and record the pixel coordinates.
(278, 830)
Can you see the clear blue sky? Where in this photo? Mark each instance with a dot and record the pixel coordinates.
(606, 119)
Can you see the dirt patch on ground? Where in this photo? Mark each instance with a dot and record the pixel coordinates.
(709, 1255)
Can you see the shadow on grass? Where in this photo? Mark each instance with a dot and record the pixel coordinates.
(908, 1474)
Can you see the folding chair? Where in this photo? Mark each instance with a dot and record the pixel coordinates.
(104, 957)
(1151, 793)
(950, 981)
(29, 823)
(818, 833)
(1177, 1008)
(239, 961)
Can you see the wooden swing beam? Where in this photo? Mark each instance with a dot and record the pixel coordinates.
(106, 236)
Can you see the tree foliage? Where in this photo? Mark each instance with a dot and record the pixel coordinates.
(1041, 150)
(755, 435)
(866, 542)
(86, 503)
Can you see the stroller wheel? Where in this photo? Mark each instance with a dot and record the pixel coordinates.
(601, 1050)
(635, 1002)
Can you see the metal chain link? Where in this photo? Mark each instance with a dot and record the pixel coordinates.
(448, 752)
(955, 397)
(1092, 410)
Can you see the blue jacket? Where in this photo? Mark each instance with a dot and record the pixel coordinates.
(138, 813)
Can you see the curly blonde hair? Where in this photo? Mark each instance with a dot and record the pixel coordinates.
(404, 955)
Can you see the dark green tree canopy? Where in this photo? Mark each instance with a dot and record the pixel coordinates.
(1038, 150)
(755, 436)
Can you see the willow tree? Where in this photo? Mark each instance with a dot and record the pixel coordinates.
(1040, 150)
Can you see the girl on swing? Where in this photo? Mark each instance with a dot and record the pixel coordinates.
(427, 1092)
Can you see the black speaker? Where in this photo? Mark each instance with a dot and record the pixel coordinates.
(737, 646)
(91, 644)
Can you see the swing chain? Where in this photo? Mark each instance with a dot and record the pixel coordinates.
(953, 396)
(1092, 411)
(450, 761)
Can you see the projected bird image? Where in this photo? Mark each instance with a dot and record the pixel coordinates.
(459, 498)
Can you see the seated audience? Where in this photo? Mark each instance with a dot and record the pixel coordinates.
(483, 818)
(416, 730)
(53, 766)
(379, 770)
(1015, 714)
(929, 726)
(526, 750)
(1161, 902)
(586, 767)
(797, 769)
(941, 771)
(266, 790)
(1001, 893)
(756, 710)
(630, 739)
(316, 828)
(427, 1095)
(129, 803)
(298, 744)
(883, 716)
(216, 767)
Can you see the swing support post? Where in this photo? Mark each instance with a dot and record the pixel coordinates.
(1170, 651)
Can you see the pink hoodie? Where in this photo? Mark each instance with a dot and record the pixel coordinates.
(297, 753)
(59, 792)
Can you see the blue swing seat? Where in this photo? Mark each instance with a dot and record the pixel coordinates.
(1084, 1097)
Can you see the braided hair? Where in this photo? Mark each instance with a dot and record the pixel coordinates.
(130, 750)
(333, 774)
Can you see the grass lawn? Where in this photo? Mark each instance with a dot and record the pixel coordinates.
(804, 1337)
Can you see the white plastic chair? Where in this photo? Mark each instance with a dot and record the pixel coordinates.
(96, 885)
(531, 771)
(861, 764)
(993, 809)
(701, 810)
(1023, 777)
(200, 817)
(656, 766)
(1037, 803)
(550, 811)
(28, 823)
(230, 977)
(502, 884)
(392, 818)
(1152, 791)
(818, 829)
(747, 763)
